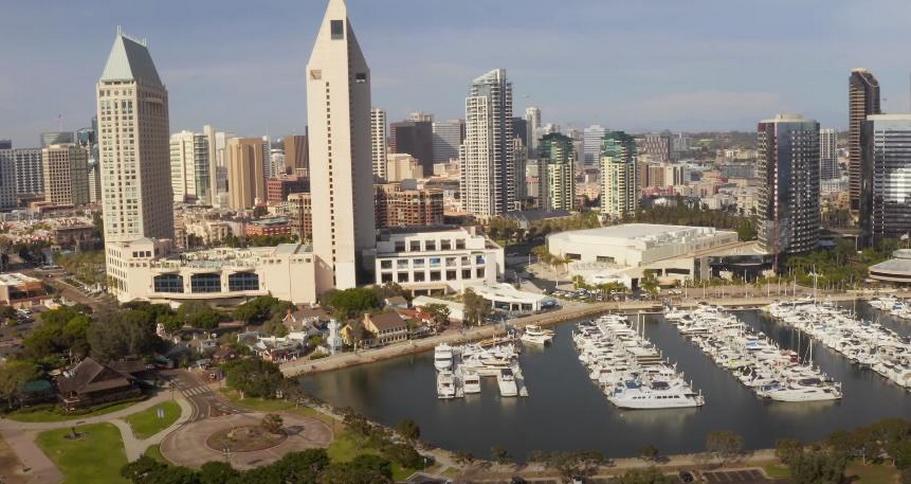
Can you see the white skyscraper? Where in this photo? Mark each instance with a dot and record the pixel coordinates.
(338, 118)
(828, 154)
(533, 127)
(591, 144)
(487, 182)
(133, 145)
(378, 142)
(190, 169)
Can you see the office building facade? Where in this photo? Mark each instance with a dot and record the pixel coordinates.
(619, 175)
(246, 178)
(828, 154)
(556, 153)
(447, 137)
(863, 100)
(378, 150)
(887, 144)
(66, 175)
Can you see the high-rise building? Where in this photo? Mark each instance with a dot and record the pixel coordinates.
(301, 215)
(29, 172)
(297, 161)
(657, 147)
(591, 144)
(863, 100)
(487, 181)
(555, 151)
(342, 188)
(447, 137)
(279, 189)
(134, 152)
(57, 138)
(246, 179)
(788, 151)
(402, 166)
(397, 206)
(415, 137)
(520, 160)
(8, 198)
(619, 175)
(828, 154)
(66, 174)
(887, 144)
(378, 148)
(532, 129)
(190, 169)
(520, 129)
(6, 144)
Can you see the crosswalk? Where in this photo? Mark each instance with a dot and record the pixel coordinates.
(197, 390)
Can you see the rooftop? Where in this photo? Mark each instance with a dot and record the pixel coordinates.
(16, 279)
(130, 60)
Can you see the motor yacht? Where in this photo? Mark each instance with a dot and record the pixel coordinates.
(507, 382)
(442, 357)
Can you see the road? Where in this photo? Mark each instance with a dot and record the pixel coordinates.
(206, 402)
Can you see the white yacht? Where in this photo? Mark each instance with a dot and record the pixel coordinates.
(471, 382)
(635, 395)
(537, 335)
(442, 357)
(507, 383)
(446, 385)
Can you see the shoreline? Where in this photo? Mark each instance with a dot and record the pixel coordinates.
(339, 361)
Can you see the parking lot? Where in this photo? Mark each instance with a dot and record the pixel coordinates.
(740, 476)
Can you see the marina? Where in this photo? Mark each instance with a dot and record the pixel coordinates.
(460, 368)
(751, 357)
(629, 369)
(892, 305)
(866, 343)
(566, 411)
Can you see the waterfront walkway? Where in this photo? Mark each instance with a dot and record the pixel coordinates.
(727, 296)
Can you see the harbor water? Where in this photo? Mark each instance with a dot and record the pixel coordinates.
(566, 410)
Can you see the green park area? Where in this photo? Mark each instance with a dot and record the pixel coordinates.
(89, 453)
(53, 413)
(153, 420)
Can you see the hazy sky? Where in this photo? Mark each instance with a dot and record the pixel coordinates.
(626, 64)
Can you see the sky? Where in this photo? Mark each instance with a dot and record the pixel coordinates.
(633, 65)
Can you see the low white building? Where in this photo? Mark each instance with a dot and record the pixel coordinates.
(673, 251)
(437, 261)
(506, 297)
(143, 270)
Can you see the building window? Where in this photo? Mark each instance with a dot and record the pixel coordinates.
(360, 77)
(418, 277)
(243, 281)
(415, 246)
(434, 262)
(418, 263)
(402, 277)
(445, 245)
(430, 245)
(479, 273)
(450, 275)
(209, 282)
(386, 277)
(466, 273)
(402, 263)
(337, 27)
(168, 283)
(385, 264)
(400, 246)
(434, 275)
(460, 244)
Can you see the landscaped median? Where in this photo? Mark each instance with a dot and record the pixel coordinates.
(89, 453)
(53, 413)
(153, 420)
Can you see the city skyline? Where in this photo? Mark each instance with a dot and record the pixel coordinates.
(631, 92)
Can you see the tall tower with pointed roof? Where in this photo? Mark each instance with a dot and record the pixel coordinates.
(338, 119)
(133, 147)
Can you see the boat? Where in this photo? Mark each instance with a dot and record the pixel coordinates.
(636, 395)
(507, 383)
(442, 357)
(471, 382)
(536, 335)
(446, 385)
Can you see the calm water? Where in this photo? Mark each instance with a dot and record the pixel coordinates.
(566, 411)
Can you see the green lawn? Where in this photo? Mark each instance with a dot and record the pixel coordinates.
(347, 445)
(273, 405)
(871, 473)
(96, 457)
(154, 451)
(52, 413)
(146, 423)
(777, 471)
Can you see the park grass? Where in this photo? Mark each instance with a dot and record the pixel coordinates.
(777, 470)
(96, 457)
(154, 452)
(53, 413)
(146, 423)
(873, 473)
(348, 445)
(277, 405)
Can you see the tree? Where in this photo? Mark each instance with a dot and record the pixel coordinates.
(142, 470)
(500, 455)
(253, 377)
(199, 315)
(261, 309)
(477, 309)
(272, 423)
(353, 302)
(644, 476)
(573, 464)
(59, 331)
(724, 444)
(408, 429)
(14, 375)
(649, 453)
(275, 327)
(786, 450)
(439, 313)
(122, 333)
(649, 282)
(818, 467)
(216, 472)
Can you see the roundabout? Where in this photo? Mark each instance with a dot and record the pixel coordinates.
(241, 440)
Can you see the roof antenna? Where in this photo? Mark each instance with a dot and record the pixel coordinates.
(119, 30)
